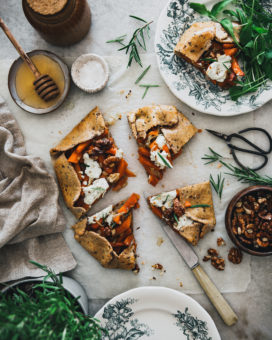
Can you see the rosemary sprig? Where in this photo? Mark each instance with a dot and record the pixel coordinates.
(243, 175)
(165, 161)
(219, 185)
(176, 218)
(200, 206)
(137, 39)
(147, 87)
(117, 40)
(214, 157)
(142, 74)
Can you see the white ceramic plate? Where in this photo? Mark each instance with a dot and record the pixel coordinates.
(156, 313)
(184, 80)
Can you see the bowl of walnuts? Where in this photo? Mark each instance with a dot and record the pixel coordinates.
(248, 220)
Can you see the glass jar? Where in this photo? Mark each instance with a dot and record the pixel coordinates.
(62, 22)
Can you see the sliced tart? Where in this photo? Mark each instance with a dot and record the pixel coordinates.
(161, 131)
(189, 210)
(88, 163)
(108, 235)
(208, 47)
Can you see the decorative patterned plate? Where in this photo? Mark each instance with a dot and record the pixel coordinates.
(156, 313)
(184, 80)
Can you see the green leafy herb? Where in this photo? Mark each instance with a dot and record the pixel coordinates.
(45, 311)
(219, 185)
(165, 161)
(176, 218)
(255, 46)
(214, 157)
(137, 40)
(208, 59)
(200, 206)
(142, 74)
(117, 40)
(147, 87)
(243, 175)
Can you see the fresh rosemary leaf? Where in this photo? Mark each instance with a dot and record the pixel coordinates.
(165, 161)
(219, 185)
(147, 87)
(142, 74)
(200, 206)
(176, 218)
(118, 39)
(145, 92)
(214, 157)
(137, 18)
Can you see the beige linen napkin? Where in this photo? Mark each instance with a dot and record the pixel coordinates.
(31, 221)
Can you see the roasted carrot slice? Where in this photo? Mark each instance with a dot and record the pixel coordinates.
(143, 151)
(146, 162)
(122, 167)
(157, 211)
(187, 204)
(153, 180)
(130, 203)
(112, 151)
(130, 173)
(123, 226)
(227, 46)
(153, 133)
(120, 184)
(77, 153)
(128, 240)
(236, 67)
(231, 51)
(165, 148)
(117, 244)
(95, 226)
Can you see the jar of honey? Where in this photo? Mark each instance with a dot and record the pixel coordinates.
(62, 22)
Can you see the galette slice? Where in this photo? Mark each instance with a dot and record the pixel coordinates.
(108, 235)
(88, 163)
(189, 210)
(161, 131)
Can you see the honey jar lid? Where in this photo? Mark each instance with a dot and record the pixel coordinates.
(47, 7)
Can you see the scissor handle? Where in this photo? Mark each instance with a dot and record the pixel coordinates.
(253, 145)
(232, 148)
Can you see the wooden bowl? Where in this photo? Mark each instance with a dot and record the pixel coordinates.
(228, 218)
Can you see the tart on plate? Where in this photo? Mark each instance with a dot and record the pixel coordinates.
(88, 163)
(208, 47)
(161, 131)
(108, 235)
(188, 210)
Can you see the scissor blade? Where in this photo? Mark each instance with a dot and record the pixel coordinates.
(184, 249)
(218, 134)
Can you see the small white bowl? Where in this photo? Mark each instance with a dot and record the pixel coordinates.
(77, 67)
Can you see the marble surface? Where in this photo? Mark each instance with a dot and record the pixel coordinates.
(110, 19)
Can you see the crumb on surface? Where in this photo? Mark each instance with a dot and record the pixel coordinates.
(181, 284)
(143, 263)
(160, 241)
(133, 154)
(113, 119)
(129, 94)
(219, 165)
(138, 228)
(129, 136)
(157, 266)
(122, 92)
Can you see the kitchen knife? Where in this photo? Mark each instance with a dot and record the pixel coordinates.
(191, 259)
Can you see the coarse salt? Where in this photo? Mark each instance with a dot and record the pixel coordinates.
(91, 75)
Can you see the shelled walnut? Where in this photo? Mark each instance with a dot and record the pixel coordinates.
(252, 220)
(216, 260)
(235, 255)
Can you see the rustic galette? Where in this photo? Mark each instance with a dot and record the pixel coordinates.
(108, 235)
(88, 163)
(160, 131)
(188, 210)
(208, 47)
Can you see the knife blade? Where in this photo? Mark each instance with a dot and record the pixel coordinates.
(185, 250)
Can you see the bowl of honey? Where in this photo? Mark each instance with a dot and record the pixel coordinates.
(20, 82)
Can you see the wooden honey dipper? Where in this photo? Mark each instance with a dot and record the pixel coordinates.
(44, 85)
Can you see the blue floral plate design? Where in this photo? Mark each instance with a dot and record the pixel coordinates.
(186, 82)
(156, 313)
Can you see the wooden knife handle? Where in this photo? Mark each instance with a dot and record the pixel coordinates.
(216, 298)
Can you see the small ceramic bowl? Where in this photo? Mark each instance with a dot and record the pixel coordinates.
(81, 74)
(12, 83)
(228, 218)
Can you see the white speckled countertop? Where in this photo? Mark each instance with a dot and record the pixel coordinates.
(110, 19)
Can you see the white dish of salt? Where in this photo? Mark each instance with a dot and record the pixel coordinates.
(90, 72)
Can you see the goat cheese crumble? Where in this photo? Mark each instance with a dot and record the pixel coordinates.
(183, 221)
(95, 191)
(101, 214)
(164, 200)
(218, 69)
(93, 169)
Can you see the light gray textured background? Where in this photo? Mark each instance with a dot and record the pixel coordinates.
(110, 19)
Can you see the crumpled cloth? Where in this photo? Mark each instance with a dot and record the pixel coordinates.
(31, 221)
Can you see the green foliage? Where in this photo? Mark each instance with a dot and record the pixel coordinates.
(219, 185)
(255, 40)
(46, 311)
